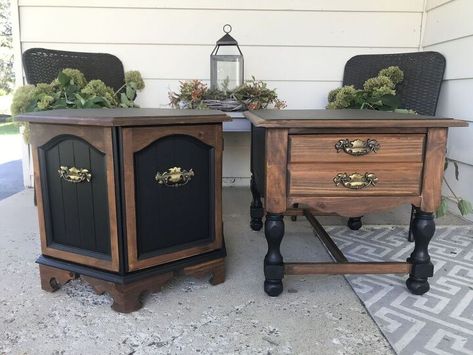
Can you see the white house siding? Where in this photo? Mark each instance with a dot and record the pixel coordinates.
(297, 46)
(449, 30)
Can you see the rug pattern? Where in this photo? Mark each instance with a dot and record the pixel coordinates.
(439, 322)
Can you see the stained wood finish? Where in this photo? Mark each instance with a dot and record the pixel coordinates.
(100, 139)
(321, 148)
(317, 179)
(308, 119)
(52, 278)
(433, 169)
(347, 268)
(408, 165)
(134, 141)
(121, 117)
(275, 170)
(351, 207)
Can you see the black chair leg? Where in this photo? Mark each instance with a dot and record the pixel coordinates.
(294, 218)
(354, 223)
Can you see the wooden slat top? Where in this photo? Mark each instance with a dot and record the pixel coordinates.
(124, 117)
(345, 119)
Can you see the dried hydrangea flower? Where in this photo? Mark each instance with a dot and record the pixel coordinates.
(378, 82)
(332, 94)
(344, 97)
(98, 88)
(394, 73)
(76, 75)
(44, 102)
(22, 98)
(135, 77)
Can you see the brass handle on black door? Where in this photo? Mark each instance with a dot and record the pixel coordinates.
(355, 181)
(357, 147)
(74, 175)
(174, 177)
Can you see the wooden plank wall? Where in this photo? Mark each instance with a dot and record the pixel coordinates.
(449, 30)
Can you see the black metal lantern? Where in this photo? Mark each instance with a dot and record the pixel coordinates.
(226, 67)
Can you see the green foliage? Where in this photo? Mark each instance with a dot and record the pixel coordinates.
(378, 93)
(464, 206)
(255, 94)
(71, 90)
(133, 78)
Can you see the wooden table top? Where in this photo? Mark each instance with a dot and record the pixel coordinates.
(345, 119)
(124, 117)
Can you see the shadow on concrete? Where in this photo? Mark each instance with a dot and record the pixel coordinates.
(11, 178)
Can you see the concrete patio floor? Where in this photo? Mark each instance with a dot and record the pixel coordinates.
(314, 315)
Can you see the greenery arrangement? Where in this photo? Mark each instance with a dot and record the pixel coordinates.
(464, 206)
(71, 90)
(379, 93)
(253, 94)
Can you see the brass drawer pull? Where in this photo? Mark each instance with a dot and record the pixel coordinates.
(74, 174)
(174, 177)
(357, 147)
(355, 181)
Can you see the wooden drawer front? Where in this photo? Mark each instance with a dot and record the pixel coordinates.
(318, 179)
(170, 222)
(322, 148)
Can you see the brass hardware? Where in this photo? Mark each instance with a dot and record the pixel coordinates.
(74, 174)
(355, 181)
(174, 177)
(357, 147)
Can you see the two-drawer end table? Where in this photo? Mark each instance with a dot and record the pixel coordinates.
(127, 198)
(345, 162)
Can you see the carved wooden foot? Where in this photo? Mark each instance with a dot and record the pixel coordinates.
(52, 279)
(214, 267)
(128, 297)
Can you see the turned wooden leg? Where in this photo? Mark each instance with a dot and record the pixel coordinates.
(294, 218)
(273, 261)
(410, 236)
(423, 228)
(52, 278)
(214, 267)
(256, 207)
(354, 223)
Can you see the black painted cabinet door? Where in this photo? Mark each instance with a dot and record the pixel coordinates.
(75, 203)
(173, 217)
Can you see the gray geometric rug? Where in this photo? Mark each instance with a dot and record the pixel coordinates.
(439, 322)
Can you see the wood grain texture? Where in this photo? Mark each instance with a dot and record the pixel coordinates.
(345, 119)
(275, 170)
(124, 117)
(433, 169)
(347, 268)
(349, 207)
(136, 139)
(317, 179)
(101, 139)
(321, 148)
(52, 278)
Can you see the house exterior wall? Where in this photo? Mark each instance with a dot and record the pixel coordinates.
(449, 30)
(297, 46)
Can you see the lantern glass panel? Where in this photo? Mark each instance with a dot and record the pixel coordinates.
(226, 71)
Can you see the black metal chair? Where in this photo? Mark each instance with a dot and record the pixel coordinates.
(43, 66)
(423, 76)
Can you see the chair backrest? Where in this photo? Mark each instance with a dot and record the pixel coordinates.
(423, 75)
(43, 66)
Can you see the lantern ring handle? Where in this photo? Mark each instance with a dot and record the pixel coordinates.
(225, 28)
